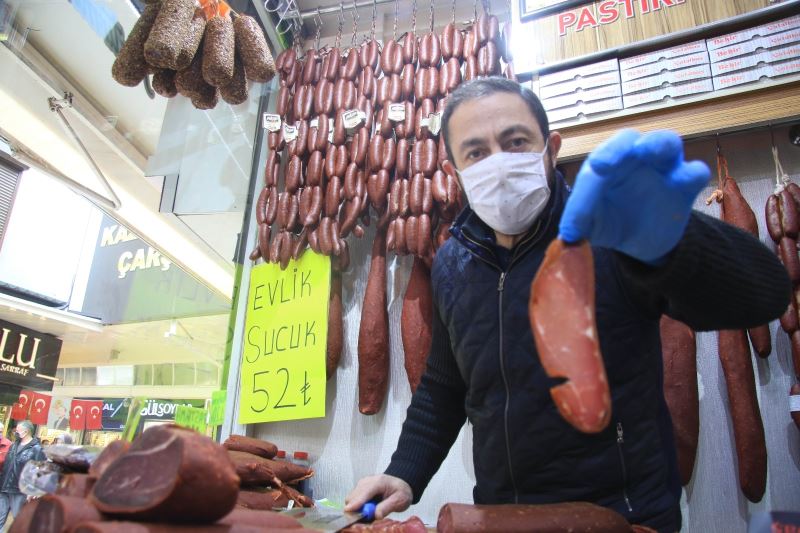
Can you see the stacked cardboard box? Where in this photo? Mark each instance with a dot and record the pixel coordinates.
(582, 91)
(672, 73)
(771, 50)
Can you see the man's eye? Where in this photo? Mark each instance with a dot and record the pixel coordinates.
(474, 154)
(519, 142)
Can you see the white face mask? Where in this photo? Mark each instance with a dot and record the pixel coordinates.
(508, 190)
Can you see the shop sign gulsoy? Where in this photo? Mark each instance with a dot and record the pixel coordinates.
(141, 259)
(286, 328)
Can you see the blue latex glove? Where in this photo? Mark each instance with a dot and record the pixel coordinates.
(634, 194)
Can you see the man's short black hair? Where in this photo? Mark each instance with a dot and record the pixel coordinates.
(481, 87)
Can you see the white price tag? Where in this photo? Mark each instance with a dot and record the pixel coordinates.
(289, 133)
(314, 123)
(397, 112)
(352, 118)
(794, 403)
(330, 136)
(435, 123)
(271, 122)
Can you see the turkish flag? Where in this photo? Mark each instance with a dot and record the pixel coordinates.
(20, 409)
(94, 414)
(77, 415)
(40, 408)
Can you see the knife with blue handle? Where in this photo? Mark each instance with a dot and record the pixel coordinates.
(326, 519)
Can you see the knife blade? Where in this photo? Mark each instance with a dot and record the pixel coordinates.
(326, 519)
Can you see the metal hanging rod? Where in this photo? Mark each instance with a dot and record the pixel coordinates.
(335, 8)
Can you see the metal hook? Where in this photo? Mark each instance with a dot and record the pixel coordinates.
(318, 24)
(355, 23)
(719, 148)
(374, 17)
(277, 7)
(431, 28)
(394, 27)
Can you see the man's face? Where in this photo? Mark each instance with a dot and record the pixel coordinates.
(20, 431)
(501, 122)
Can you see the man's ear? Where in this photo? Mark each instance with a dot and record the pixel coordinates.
(553, 146)
(448, 168)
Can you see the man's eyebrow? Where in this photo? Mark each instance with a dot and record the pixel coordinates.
(517, 128)
(474, 141)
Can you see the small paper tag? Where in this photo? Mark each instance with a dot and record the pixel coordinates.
(314, 123)
(352, 118)
(330, 136)
(289, 133)
(435, 123)
(397, 112)
(271, 122)
(794, 403)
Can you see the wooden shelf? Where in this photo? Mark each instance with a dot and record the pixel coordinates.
(713, 113)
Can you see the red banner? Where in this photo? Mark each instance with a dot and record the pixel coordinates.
(40, 408)
(77, 415)
(94, 414)
(20, 409)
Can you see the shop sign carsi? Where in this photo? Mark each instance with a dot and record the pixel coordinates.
(129, 261)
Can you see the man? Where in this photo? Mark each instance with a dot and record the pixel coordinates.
(653, 255)
(5, 444)
(25, 448)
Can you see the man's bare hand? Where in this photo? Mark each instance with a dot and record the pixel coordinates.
(394, 493)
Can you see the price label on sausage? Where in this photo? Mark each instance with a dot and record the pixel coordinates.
(397, 112)
(289, 133)
(352, 118)
(286, 329)
(271, 122)
(435, 123)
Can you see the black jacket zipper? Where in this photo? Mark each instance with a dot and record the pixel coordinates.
(620, 442)
(501, 282)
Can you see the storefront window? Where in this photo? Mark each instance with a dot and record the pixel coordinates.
(184, 374)
(207, 374)
(162, 374)
(143, 375)
(89, 376)
(72, 376)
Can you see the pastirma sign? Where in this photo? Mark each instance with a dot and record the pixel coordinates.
(28, 358)
(286, 328)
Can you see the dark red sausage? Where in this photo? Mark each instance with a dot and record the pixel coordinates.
(373, 335)
(416, 322)
(679, 351)
(748, 429)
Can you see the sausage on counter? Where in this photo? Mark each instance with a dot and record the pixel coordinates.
(261, 500)
(109, 454)
(174, 463)
(548, 518)
(76, 485)
(255, 470)
(416, 322)
(748, 429)
(680, 390)
(59, 514)
(373, 334)
(252, 46)
(130, 67)
(263, 518)
(563, 293)
(261, 448)
(142, 527)
(387, 525)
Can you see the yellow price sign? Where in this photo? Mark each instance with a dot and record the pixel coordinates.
(286, 330)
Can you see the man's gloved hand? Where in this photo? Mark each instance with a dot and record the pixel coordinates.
(634, 194)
